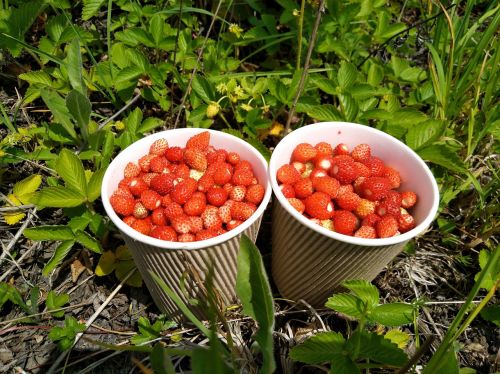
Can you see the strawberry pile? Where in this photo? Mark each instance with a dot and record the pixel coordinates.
(347, 191)
(187, 194)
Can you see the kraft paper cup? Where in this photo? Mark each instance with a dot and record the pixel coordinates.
(310, 262)
(184, 266)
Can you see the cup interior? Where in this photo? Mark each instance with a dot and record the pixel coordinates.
(415, 174)
(179, 137)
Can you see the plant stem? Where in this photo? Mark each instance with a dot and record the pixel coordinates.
(299, 32)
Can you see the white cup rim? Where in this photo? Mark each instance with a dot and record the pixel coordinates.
(127, 230)
(404, 237)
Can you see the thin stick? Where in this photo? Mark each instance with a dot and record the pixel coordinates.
(306, 65)
(193, 74)
(125, 107)
(425, 347)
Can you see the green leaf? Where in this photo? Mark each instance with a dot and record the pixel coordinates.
(443, 156)
(376, 348)
(134, 120)
(366, 291)
(10, 293)
(161, 363)
(88, 241)
(27, 186)
(55, 301)
(156, 28)
(254, 291)
(425, 133)
(318, 348)
(491, 277)
(90, 8)
(342, 364)
(80, 108)
(129, 74)
(395, 314)
(349, 106)
(49, 232)
(74, 66)
(106, 264)
(326, 112)
(325, 85)
(57, 105)
(398, 337)
(264, 151)
(59, 197)
(59, 254)
(449, 363)
(37, 77)
(492, 314)
(349, 305)
(203, 89)
(94, 185)
(204, 358)
(70, 168)
(346, 75)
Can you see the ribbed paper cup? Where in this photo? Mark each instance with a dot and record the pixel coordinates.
(310, 262)
(184, 266)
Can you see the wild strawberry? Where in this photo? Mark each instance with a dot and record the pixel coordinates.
(300, 166)
(297, 204)
(375, 188)
(137, 186)
(122, 205)
(341, 149)
(144, 226)
(287, 190)
(223, 173)
(319, 205)
(303, 188)
(174, 154)
(210, 217)
(165, 200)
(323, 162)
(200, 141)
(387, 226)
(361, 152)
(186, 238)
(361, 170)
(131, 170)
(164, 233)
(388, 207)
(238, 193)
(205, 183)
(408, 199)
(233, 158)
(224, 213)
(304, 152)
(406, 222)
(184, 190)
(343, 170)
(129, 220)
(140, 210)
(241, 211)
(393, 176)
(394, 197)
(345, 188)
(195, 159)
(287, 174)
(317, 173)
(145, 162)
(242, 177)
(345, 222)
(194, 206)
(162, 183)
(324, 149)
(370, 220)
(196, 224)
(148, 177)
(173, 210)
(158, 147)
(233, 224)
(182, 171)
(376, 166)
(309, 169)
(205, 234)
(228, 187)
(366, 232)
(158, 217)
(181, 224)
(243, 165)
(159, 164)
(326, 184)
(356, 185)
(123, 192)
(364, 208)
(216, 196)
(150, 199)
(348, 201)
(255, 193)
(214, 156)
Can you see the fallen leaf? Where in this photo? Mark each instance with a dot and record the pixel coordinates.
(77, 268)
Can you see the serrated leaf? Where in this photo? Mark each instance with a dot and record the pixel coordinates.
(13, 217)
(70, 168)
(106, 264)
(408, 117)
(326, 112)
(156, 28)
(10, 293)
(492, 277)
(318, 348)
(375, 347)
(492, 313)
(349, 106)
(443, 156)
(425, 133)
(37, 77)
(94, 185)
(90, 8)
(88, 241)
(55, 301)
(398, 337)
(27, 186)
(59, 254)
(129, 74)
(366, 291)
(149, 124)
(203, 89)
(74, 66)
(57, 105)
(58, 197)
(325, 85)
(49, 232)
(349, 305)
(134, 120)
(346, 75)
(79, 107)
(394, 314)
(342, 364)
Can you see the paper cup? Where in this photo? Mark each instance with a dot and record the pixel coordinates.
(310, 262)
(184, 266)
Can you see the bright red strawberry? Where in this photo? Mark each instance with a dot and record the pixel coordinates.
(186, 238)
(123, 192)
(223, 173)
(297, 204)
(181, 224)
(137, 186)
(216, 196)
(242, 177)
(376, 166)
(145, 162)
(287, 174)
(148, 177)
(196, 224)
(343, 170)
(174, 154)
(304, 152)
(241, 211)
(131, 170)
(357, 184)
(388, 207)
(165, 200)
(162, 183)
(406, 222)
(140, 210)
(195, 159)
(303, 188)
(387, 226)
(408, 199)
(151, 199)
(158, 147)
(233, 158)
(319, 205)
(158, 217)
(194, 206)
(328, 185)
(393, 176)
(182, 171)
(317, 173)
(255, 194)
(238, 193)
(341, 149)
(228, 187)
(375, 188)
(144, 226)
(129, 220)
(233, 224)
(224, 213)
(205, 183)
(324, 149)
(348, 201)
(366, 232)
(362, 171)
(205, 234)
(370, 220)
(122, 205)
(159, 164)
(183, 190)
(164, 233)
(345, 222)
(300, 166)
(210, 217)
(361, 152)
(200, 141)
(243, 165)
(323, 162)
(173, 210)
(345, 188)
(365, 207)
(287, 190)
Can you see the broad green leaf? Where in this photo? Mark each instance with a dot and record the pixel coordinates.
(161, 362)
(425, 133)
(55, 301)
(349, 106)
(395, 314)
(492, 314)
(318, 348)
(79, 223)
(443, 156)
(204, 358)
(398, 337)
(413, 74)
(74, 66)
(448, 364)
(203, 89)
(156, 28)
(70, 168)
(349, 305)
(37, 77)
(129, 74)
(375, 75)
(80, 108)
(325, 85)
(49, 232)
(407, 117)
(13, 217)
(492, 277)
(149, 124)
(122, 268)
(326, 112)
(342, 364)
(346, 75)
(90, 8)
(94, 185)
(88, 241)
(27, 186)
(59, 254)
(376, 348)
(106, 264)
(254, 291)
(10, 293)
(134, 120)
(57, 105)
(366, 291)
(59, 197)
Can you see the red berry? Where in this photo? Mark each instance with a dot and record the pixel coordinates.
(361, 170)
(317, 173)
(151, 199)
(200, 141)
(210, 217)
(181, 224)
(255, 193)
(148, 177)
(206, 234)
(224, 213)
(174, 154)
(205, 183)
(122, 205)
(341, 149)
(328, 185)
(158, 147)
(162, 183)
(129, 220)
(303, 188)
(164, 233)
(393, 176)
(243, 164)
(196, 224)
(233, 158)
(242, 177)
(345, 188)
(408, 199)
(173, 210)
(287, 174)
(158, 217)
(131, 170)
(195, 159)
(238, 193)
(300, 166)
(304, 152)
(183, 190)
(165, 200)
(140, 210)
(376, 166)
(361, 152)
(297, 204)
(348, 201)
(406, 222)
(195, 206)
(216, 196)
(186, 238)
(388, 207)
(233, 224)
(375, 188)
(324, 149)
(345, 222)
(370, 220)
(323, 162)
(319, 205)
(365, 207)
(145, 162)
(123, 191)
(387, 226)
(143, 226)
(223, 173)
(366, 232)
(241, 211)
(137, 186)
(159, 164)
(182, 171)
(287, 190)
(343, 170)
